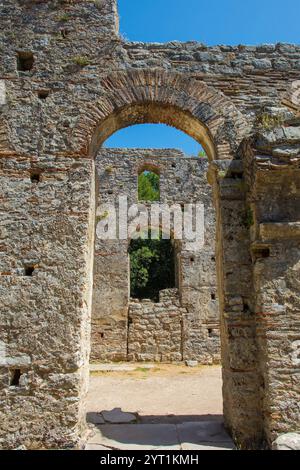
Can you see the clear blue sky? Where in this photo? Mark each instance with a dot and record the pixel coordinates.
(211, 22)
(215, 22)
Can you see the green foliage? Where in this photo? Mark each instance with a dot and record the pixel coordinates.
(267, 121)
(109, 169)
(202, 154)
(99, 4)
(103, 216)
(151, 267)
(142, 369)
(222, 174)
(248, 218)
(148, 186)
(64, 18)
(81, 61)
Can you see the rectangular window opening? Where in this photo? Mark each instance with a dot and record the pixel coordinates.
(15, 378)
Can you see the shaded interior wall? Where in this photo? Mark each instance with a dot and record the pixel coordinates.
(110, 301)
(182, 181)
(274, 201)
(242, 408)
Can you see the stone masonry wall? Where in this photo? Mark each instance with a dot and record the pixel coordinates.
(85, 83)
(274, 199)
(75, 44)
(47, 231)
(182, 180)
(155, 329)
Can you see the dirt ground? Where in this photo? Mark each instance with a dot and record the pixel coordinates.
(158, 393)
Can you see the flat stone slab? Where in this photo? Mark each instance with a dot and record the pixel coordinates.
(137, 437)
(206, 435)
(191, 363)
(288, 441)
(117, 416)
(210, 433)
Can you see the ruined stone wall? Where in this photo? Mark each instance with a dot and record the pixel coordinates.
(76, 45)
(47, 232)
(155, 329)
(253, 77)
(274, 201)
(182, 181)
(86, 83)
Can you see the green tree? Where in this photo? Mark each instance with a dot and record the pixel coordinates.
(148, 186)
(151, 267)
(202, 154)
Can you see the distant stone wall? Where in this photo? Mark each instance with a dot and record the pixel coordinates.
(110, 301)
(155, 329)
(167, 332)
(182, 180)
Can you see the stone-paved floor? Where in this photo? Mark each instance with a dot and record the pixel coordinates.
(137, 406)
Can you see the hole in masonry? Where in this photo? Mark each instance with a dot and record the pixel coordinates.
(64, 32)
(15, 378)
(236, 175)
(29, 270)
(192, 259)
(25, 61)
(173, 165)
(43, 94)
(101, 335)
(260, 253)
(35, 176)
(210, 332)
(178, 180)
(213, 259)
(213, 296)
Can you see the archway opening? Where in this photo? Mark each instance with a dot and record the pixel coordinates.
(165, 313)
(161, 135)
(156, 113)
(203, 113)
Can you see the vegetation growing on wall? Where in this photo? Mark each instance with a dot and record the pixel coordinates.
(202, 154)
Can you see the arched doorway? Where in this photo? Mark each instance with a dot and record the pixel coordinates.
(209, 117)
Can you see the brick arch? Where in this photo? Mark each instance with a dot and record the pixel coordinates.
(137, 97)
(154, 168)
